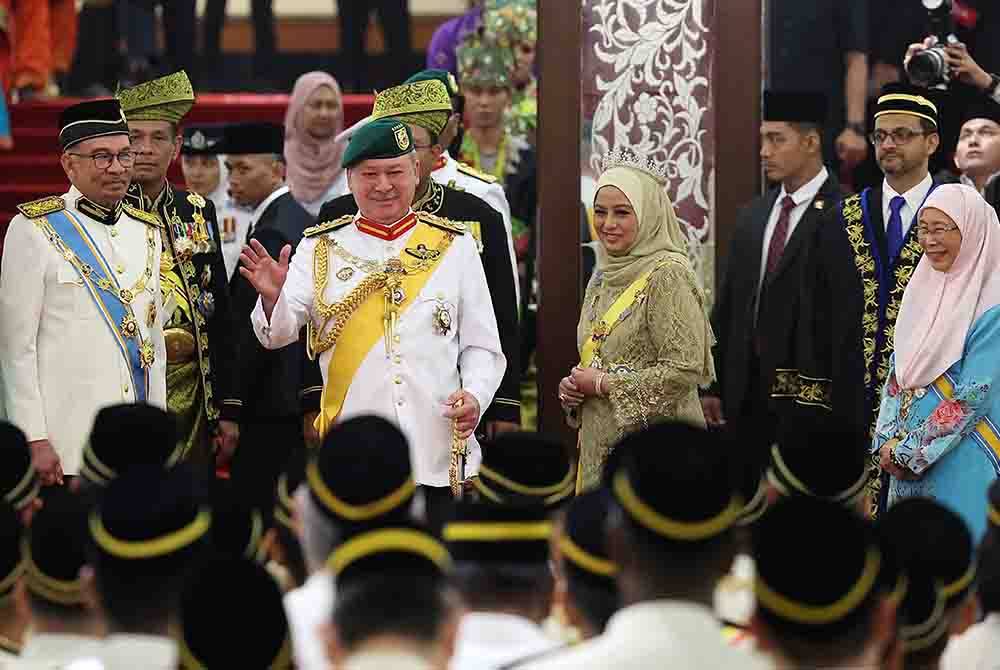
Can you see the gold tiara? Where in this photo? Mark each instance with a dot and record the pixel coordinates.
(622, 157)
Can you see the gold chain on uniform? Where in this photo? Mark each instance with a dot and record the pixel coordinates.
(379, 277)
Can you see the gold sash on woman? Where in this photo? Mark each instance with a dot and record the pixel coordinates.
(592, 345)
(366, 325)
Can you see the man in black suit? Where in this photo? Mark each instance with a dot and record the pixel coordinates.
(425, 106)
(268, 380)
(754, 315)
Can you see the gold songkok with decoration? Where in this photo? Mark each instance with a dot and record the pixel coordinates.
(168, 98)
(424, 103)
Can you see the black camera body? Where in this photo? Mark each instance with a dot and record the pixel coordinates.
(928, 68)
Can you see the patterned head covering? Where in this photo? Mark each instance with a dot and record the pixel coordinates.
(424, 103)
(484, 63)
(510, 22)
(168, 98)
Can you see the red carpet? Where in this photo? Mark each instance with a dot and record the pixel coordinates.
(32, 170)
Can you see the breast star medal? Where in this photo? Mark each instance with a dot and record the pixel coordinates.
(442, 319)
(151, 314)
(345, 273)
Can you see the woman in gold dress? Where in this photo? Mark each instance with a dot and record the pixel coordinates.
(644, 336)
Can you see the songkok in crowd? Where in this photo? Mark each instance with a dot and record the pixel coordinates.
(840, 476)
(149, 522)
(821, 576)
(252, 138)
(928, 538)
(492, 535)
(238, 526)
(361, 473)
(982, 107)
(112, 448)
(385, 138)
(508, 477)
(167, 98)
(443, 76)
(510, 22)
(900, 99)
(483, 64)
(87, 120)
(423, 103)
(19, 483)
(399, 550)
(233, 617)
(11, 563)
(795, 107)
(202, 140)
(661, 499)
(586, 564)
(54, 550)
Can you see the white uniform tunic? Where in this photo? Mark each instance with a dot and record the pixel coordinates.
(61, 362)
(408, 388)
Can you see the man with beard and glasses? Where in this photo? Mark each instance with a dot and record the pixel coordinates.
(193, 276)
(80, 295)
(859, 262)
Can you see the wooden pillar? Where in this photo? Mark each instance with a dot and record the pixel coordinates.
(737, 108)
(560, 43)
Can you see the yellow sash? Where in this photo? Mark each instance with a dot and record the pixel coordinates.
(610, 319)
(365, 328)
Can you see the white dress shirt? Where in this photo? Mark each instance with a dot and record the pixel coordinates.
(48, 651)
(225, 209)
(492, 193)
(914, 198)
(488, 640)
(976, 649)
(802, 197)
(408, 388)
(653, 636)
(61, 363)
(307, 608)
(131, 652)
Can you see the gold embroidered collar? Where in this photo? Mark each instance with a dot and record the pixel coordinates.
(106, 215)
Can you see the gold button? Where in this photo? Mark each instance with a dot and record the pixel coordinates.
(120, 269)
(395, 338)
(125, 388)
(400, 403)
(397, 359)
(398, 380)
(114, 232)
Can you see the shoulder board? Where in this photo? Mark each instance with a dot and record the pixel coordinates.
(146, 217)
(327, 226)
(42, 206)
(473, 172)
(456, 227)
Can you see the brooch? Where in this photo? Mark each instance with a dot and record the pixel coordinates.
(206, 305)
(151, 314)
(196, 200)
(423, 253)
(345, 273)
(129, 328)
(442, 319)
(398, 296)
(184, 249)
(819, 204)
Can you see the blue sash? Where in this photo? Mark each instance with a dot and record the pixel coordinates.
(76, 238)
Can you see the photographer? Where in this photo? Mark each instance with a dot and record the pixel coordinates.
(960, 64)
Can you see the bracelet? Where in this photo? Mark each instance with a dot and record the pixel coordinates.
(599, 383)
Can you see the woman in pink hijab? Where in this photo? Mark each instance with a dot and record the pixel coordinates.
(938, 428)
(314, 118)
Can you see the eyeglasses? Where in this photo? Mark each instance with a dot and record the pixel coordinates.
(937, 232)
(103, 160)
(898, 135)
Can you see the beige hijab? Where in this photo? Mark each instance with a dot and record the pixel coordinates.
(659, 234)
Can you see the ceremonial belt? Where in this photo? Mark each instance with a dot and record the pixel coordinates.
(986, 434)
(76, 245)
(363, 329)
(611, 317)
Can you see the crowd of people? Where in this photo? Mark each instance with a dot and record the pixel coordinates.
(274, 419)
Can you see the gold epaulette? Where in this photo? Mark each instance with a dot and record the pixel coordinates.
(327, 226)
(456, 227)
(478, 174)
(42, 206)
(151, 218)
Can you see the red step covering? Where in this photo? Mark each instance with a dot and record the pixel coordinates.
(33, 169)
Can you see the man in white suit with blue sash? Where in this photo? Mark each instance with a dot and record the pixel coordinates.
(80, 296)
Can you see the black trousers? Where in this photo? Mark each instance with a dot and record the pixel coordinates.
(438, 505)
(265, 42)
(267, 446)
(394, 16)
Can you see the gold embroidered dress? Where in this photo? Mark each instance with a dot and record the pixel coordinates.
(657, 350)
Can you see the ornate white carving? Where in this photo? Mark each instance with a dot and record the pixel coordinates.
(649, 61)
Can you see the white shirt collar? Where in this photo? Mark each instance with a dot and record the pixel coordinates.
(59, 646)
(807, 191)
(259, 209)
(914, 197)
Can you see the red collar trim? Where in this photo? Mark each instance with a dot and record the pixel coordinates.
(387, 233)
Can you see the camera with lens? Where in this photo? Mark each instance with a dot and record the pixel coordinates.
(929, 68)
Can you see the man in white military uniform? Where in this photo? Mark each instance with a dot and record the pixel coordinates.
(398, 310)
(80, 296)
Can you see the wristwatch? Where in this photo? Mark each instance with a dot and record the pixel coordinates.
(857, 127)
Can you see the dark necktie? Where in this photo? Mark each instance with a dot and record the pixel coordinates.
(895, 230)
(777, 246)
